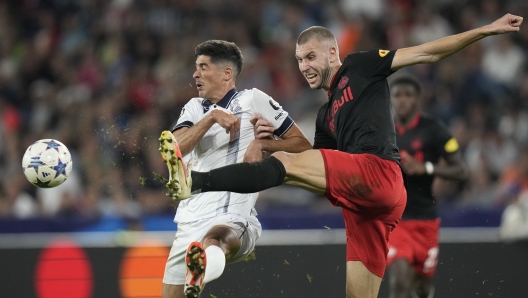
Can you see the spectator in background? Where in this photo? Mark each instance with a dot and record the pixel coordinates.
(513, 182)
(491, 148)
(14, 201)
(513, 193)
(503, 61)
(428, 26)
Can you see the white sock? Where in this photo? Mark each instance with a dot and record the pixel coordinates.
(215, 263)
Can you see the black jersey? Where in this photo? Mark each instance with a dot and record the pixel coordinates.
(357, 117)
(426, 139)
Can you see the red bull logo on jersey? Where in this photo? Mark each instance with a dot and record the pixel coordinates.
(346, 97)
(343, 82)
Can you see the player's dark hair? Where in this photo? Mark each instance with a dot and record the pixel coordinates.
(318, 32)
(407, 80)
(221, 51)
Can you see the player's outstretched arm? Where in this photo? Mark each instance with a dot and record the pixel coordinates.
(188, 138)
(437, 50)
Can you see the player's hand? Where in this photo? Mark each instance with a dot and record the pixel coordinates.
(230, 122)
(262, 128)
(254, 152)
(411, 165)
(508, 23)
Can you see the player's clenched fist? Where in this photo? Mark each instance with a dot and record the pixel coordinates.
(508, 23)
(262, 128)
(230, 122)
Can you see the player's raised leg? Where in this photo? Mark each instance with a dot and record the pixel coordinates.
(305, 170)
(179, 177)
(206, 261)
(193, 262)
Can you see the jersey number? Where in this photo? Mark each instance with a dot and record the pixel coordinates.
(432, 259)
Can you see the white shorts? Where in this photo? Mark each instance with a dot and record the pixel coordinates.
(247, 228)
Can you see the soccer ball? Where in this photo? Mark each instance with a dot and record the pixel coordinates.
(47, 163)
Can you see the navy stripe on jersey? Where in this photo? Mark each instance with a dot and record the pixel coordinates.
(224, 102)
(288, 122)
(231, 158)
(230, 99)
(183, 124)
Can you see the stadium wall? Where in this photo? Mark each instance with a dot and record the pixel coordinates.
(288, 264)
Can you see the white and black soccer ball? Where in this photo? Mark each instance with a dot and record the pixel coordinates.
(47, 163)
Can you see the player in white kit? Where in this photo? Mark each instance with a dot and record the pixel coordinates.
(214, 130)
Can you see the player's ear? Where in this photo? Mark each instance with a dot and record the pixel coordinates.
(228, 74)
(333, 54)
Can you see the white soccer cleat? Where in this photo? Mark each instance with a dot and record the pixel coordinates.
(180, 181)
(196, 262)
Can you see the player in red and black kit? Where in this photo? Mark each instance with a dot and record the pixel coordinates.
(363, 175)
(423, 141)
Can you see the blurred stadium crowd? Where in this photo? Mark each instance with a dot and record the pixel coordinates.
(106, 77)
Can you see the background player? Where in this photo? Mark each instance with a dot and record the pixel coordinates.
(423, 141)
(362, 176)
(214, 130)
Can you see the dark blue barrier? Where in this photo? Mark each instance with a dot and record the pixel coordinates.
(456, 216)
(271, 219)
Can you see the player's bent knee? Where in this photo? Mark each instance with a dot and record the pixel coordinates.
(224, 237)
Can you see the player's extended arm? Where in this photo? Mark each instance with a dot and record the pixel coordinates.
(188, 138)
(437, 50)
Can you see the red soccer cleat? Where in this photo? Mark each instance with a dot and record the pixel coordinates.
(196, 262)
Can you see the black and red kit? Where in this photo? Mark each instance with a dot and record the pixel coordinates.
(425, 138)
(356, 137)
(357, 117)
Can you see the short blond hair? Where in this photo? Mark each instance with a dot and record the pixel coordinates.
(320, 33)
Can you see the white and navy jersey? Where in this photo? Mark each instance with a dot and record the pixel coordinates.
(215, 150)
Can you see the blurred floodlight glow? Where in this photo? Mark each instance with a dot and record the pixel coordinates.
(63, 271)
(141, 272)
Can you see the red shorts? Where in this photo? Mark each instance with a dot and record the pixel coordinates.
(372, 194)
(417, 242)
